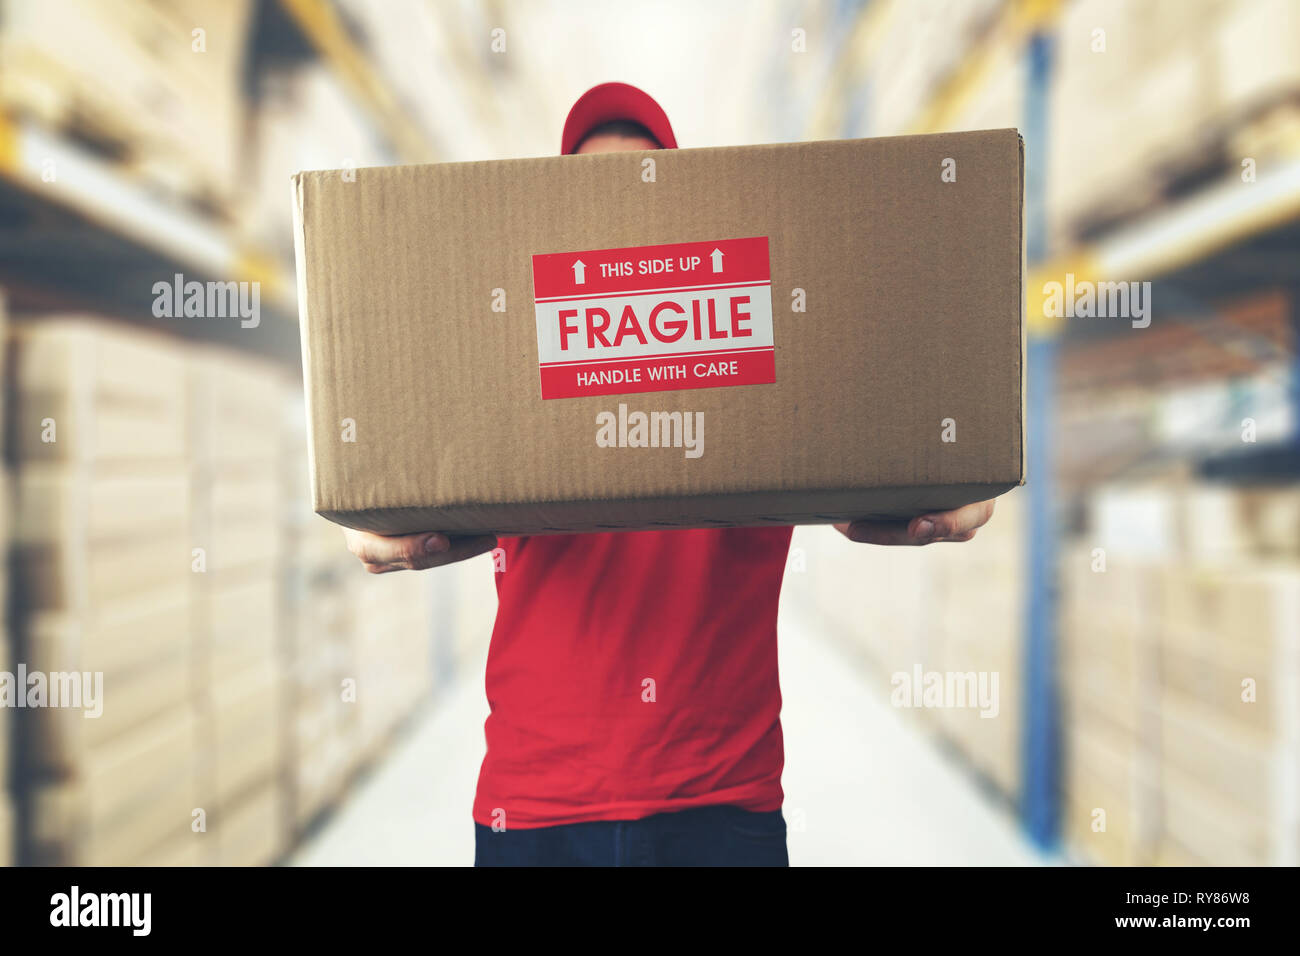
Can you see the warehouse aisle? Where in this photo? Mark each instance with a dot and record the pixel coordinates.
(862, 786)
(865, 786)
(412, 808)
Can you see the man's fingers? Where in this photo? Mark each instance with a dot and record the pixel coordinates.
(956, 526)
(462, 548)
(380, 554)
(878, 532)
(395, 551)
(951, 524)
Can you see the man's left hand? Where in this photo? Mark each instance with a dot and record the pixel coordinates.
(957, 525)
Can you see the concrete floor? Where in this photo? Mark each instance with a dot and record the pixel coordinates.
(863, 786)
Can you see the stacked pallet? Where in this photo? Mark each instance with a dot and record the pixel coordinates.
(7, 821)
(1181, 677)
(1229, 726)
(222, 669)
(918, 53)
(394, 664)
(1181, 83)
(318, 644)
(977, 643)
(7, 666)
(102, 564)
(1109, 706)
(158, 83)
(8, 659)
(303, 119)
(237, 524)
(1257, 65)
(358, 649)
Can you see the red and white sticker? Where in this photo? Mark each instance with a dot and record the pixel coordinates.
(654, 318)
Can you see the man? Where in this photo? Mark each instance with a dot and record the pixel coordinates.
(632, 677)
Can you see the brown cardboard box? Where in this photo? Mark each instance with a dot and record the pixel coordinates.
(92, 391)
(7, 663)
(235, 400)
(242, 621)
(424, 405)
(117, 637)
(70, 506)
(6, 830)
(156, 817)
(7, 840)
(1110, 795)
(1219, 830)
(62, 739)
(53, 577)
(252, 833)
(129, 795)
(183, 849)
(245, 732)
(128, 73)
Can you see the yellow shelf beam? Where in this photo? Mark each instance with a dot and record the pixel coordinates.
(96, 191)
(1187, 232)
(1017, 20)
(320, 24)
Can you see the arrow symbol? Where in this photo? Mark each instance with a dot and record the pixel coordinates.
(579, 272)
(717, 260)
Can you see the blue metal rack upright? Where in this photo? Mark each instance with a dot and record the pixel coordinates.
(1039, 801)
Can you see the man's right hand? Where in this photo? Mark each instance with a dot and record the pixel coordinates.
(381, 553)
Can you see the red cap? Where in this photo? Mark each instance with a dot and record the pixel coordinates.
(615, 101)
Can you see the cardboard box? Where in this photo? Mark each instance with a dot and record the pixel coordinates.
(119, 69)
(234, 401)
(118, 637)
(129, 795)
(183, 849)
(1215, 828)
(70, 506)
(428, 410)
(252, 833)
(242, 722)
(54, 577)
(158, 816)
(242, 625)
(62, 739)
(7, 841)
(1110, 795)
(95, 392)
(8, 663)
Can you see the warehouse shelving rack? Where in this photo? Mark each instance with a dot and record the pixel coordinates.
(103, 240)
(323, 29)
(81, 234)
(1200, 247)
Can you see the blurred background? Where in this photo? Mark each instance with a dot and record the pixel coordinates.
(1138, 600)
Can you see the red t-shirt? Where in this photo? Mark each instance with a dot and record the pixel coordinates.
(634, 673)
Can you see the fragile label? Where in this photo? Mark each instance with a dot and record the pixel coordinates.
(654, 318)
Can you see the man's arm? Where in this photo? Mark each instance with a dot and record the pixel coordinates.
(957, 525)
(381, 553)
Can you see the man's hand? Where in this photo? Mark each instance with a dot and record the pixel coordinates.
(381, 553)
(958, 525)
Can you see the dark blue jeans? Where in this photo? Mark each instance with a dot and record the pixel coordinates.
(707, 836)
